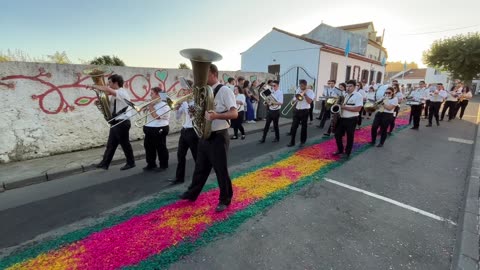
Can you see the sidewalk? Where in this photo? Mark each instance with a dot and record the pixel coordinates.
(23, 173)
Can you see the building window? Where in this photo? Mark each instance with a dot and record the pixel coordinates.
(356, 73)
(372, 73)
(379, 77)
(437, 72)
(333, 71)
(365, 76)
(347, 73)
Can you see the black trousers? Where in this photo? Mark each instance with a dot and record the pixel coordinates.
(415, 114)
(325, 117)
(392, 123)
(155, 143)
(118, 135)
(212, 153)
(461, 106)
(238, 125)
(434, 112)
(360, 116)
(427, 108)
(383, 121)
(322, 111)
(272, 116)
(310, 112)
(345, 125)
(299, 117)
(188, 140)
(450, 106)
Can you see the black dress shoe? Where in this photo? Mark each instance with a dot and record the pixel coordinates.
(161, 169)
(414, 128)
(336, 153)
(221, 207)
(429, 125)
(126, 167)
(438, 123)
(261, 141)
(234, 138)
(326, 135)
(290, 144)
(302, 144)
(289, 134)
(276, 140)
(149, 168)
(102, 166)
(186, 196)
(380, 145)
(176, 181)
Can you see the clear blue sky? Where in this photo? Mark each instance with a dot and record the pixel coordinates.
(150, 33)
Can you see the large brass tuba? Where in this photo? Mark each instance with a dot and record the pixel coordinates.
(98, 76)
(202, 93)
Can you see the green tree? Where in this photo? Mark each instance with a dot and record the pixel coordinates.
(183, 66)
(107, 60)
(459, 55)
(59, 58)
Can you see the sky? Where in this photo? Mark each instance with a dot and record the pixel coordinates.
(150, 33)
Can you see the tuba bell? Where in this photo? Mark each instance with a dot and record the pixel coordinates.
(98, 77)
(203, 96)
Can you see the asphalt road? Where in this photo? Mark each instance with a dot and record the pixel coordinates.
(323, 226)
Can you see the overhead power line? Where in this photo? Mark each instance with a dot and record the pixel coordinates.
(434, 32)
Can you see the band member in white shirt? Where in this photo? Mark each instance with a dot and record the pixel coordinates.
(465, 96)
(329, 91)
(156, 130)
(120, 133)
(188, 139)
(451, 102)
(436, 99)
(384, 117)
(273, 113)
(241, 104)
(427, 95)
(350, 109)
(359, 89)
(398, 94)
(300, 115)
(417, 97)
(341, 92)
(212, 152)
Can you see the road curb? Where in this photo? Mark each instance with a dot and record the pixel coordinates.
(467, 255)
(139, 154)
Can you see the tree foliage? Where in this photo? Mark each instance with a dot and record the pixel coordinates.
(59, 58)
(107, 60)
(398, 66)
(183, 66)
(459, 55)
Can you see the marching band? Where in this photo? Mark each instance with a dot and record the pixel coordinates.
(345, 106)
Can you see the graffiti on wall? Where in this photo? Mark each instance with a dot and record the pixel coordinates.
(139, 86)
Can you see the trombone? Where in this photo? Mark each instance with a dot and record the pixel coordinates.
(172, 104)
(291, 104)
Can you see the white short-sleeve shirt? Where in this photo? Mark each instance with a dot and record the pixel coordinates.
(122, 94)
(352, 100)
(302, 105)
(224, 101)
(391, 101)
(163, 111)
(278, 94)
(241, 98)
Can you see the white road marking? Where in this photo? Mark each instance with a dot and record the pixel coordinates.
(397, 203)
(460, 140)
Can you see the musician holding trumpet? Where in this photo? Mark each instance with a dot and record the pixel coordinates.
(273, 114)
(436, 99)
(384, 116)
(304, 97)
(119, 133)
(156, 130)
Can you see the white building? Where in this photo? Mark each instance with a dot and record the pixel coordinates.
(320, 54)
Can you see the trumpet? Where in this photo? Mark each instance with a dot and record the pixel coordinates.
(291, 104)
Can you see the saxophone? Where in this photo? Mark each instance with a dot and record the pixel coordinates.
(98, 77)
(203, 96)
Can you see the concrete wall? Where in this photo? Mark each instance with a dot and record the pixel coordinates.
(47, 110)
(277, 48)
